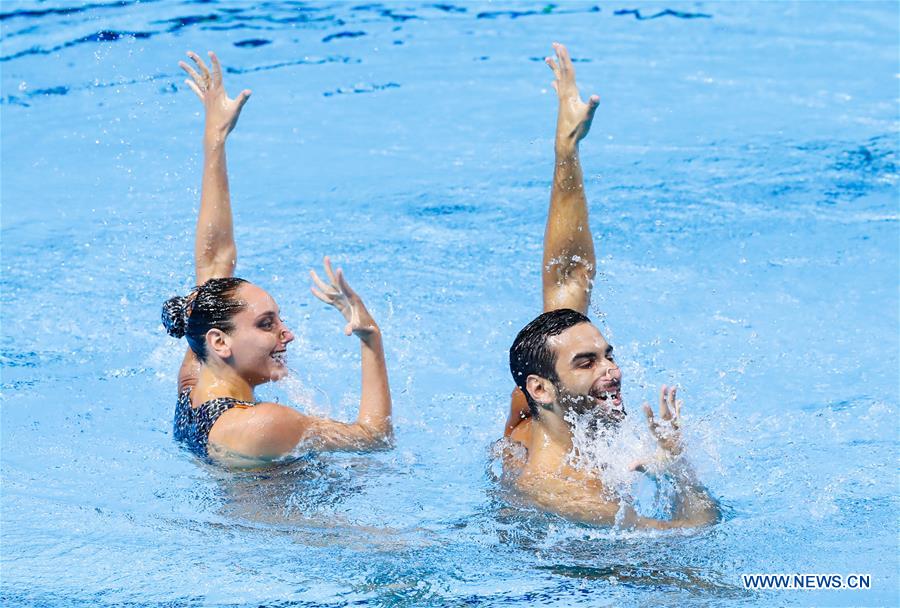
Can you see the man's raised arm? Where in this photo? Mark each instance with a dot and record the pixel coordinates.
(569, 262)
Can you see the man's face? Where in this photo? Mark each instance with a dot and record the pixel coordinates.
(589, 379)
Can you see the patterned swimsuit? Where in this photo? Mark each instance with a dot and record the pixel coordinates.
(192, 425)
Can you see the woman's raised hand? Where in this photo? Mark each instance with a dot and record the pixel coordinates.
(221, 112)
(341, 296)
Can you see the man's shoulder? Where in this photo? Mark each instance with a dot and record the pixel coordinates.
(522, 432)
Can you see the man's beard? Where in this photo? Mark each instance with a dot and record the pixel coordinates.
(604, 413)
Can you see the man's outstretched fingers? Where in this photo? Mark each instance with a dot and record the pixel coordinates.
(651, 420)
(565, 62)
(243, 97)
(549, 61)
(664, 412)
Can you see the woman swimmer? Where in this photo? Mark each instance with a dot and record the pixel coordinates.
(236, 337)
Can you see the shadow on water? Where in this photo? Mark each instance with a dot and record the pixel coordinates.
(685, 578)
(306, 501)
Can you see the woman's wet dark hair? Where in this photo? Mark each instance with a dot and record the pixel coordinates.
(530, 353)
(209, 306)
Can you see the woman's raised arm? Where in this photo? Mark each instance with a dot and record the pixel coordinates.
(215, 252)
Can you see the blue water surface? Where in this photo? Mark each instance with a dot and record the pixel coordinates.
(743, 186)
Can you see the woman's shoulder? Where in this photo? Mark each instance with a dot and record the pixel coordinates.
(261, 430)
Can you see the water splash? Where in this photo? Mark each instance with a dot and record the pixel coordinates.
(608, 452)
(302, 395)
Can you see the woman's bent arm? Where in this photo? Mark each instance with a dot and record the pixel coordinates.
(373, 424)
(375, 403)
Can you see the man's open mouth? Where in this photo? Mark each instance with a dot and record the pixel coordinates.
(609, 396)
(280, 357)
(610, 401)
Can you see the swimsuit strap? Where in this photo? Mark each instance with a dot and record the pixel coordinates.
(201, 419)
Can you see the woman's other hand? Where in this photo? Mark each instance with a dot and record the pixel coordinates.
(340, 295)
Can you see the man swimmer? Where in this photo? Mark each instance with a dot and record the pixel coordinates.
(563, 366)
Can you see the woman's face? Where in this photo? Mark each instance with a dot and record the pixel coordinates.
(259, 338)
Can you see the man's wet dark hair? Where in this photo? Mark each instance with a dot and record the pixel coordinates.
(209, 306)
(530, 353)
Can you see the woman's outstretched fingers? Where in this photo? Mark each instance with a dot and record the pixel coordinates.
(193, 86)
(203, 69)
(319, 295)
(322, 287)
(326, 261)
(552, 64)
(190, 71)
(344, 285)
(676, 408)
(217, 69)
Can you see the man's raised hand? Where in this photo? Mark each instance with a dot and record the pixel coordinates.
(575, 116)
(666, 430)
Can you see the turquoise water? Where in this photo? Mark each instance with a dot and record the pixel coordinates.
(742, 178)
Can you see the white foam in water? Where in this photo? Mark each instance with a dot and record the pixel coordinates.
(304, 397)
(609, 452)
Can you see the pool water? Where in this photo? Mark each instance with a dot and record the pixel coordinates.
(743, 187)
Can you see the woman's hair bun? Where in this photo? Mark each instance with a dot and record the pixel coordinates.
(173, 316)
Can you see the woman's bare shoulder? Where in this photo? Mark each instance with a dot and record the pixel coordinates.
(264, 430)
